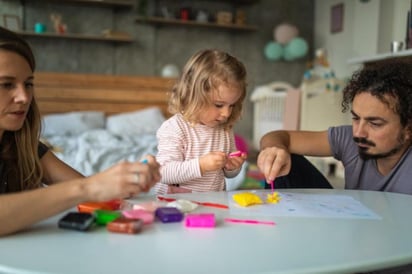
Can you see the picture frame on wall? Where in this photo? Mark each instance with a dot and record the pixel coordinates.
(336, 18)
(12, 22)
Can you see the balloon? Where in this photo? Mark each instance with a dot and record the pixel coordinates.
(170, 70)
(273, 51)
(295, 49)
(284, 33)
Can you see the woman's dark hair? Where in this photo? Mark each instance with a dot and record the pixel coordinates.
(11, 41)
(19, 149)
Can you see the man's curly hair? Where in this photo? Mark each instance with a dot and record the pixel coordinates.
(390, 78)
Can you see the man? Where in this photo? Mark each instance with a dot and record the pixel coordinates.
(375, 150)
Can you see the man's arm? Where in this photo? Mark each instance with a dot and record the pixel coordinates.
(276, 147)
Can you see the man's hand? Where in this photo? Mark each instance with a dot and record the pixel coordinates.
(274, 162)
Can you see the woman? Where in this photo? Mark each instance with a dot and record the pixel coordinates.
(26, 165)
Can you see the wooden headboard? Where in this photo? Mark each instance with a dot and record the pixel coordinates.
(65, 92)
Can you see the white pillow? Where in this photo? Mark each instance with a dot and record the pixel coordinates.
(72, 123)
(145, 121)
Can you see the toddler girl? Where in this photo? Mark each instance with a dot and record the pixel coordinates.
(195, 143)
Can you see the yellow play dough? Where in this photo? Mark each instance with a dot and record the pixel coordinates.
(273, 198)
(246, 199)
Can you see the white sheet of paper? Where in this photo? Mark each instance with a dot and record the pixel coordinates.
(305, 205)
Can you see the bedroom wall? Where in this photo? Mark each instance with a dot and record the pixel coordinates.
(153, 47)
(369, 26)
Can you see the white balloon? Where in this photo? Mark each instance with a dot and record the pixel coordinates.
(170, 70)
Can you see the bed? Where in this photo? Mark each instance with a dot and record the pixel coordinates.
(93, 121)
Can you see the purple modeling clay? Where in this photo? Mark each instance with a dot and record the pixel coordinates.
(169, 214)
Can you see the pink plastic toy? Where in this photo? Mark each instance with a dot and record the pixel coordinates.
(235, 154)
(200, 220)
(252, 222)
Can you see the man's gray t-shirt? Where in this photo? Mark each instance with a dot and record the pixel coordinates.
(360, 174)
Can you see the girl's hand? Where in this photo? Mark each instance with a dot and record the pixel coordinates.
(212, 161)
(235, 161)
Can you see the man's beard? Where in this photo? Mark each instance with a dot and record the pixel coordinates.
(368, 156)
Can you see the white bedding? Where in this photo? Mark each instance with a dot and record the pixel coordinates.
(91, 142)
(98, 149)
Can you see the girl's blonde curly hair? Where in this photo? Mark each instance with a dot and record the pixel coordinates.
(203, 73)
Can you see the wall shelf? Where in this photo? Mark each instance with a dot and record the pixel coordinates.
(110, 3)
(119, 37)
(380, 57)
(102, 38)
(191, 23)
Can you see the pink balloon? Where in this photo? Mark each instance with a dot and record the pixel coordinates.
(283, 33)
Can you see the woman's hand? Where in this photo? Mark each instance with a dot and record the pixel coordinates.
(123, 180)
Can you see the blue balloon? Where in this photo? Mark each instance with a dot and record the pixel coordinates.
(273, 51)
(296, 48)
